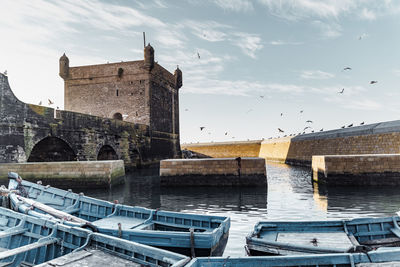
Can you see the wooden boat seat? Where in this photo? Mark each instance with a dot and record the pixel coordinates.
(337, 240)
(112, 222)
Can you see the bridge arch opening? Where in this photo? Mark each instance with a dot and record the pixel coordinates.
(52, 149)
(117, 116)
(106, 152)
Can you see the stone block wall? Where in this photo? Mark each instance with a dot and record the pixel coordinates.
(378, 169)
(226, 149)
(71, 174)
(213, 172)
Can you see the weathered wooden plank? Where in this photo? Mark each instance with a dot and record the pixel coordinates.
(16, 251)
(11, 232)
(338, 240)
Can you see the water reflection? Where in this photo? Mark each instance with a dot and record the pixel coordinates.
(290, 196)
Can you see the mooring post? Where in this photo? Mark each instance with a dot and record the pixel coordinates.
(192, 243)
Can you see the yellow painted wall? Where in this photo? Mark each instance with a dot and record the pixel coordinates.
(226, 149)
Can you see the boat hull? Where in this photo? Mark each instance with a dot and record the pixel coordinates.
(318, 237)
(174, 231)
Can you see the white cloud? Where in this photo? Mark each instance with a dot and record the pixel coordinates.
(280, 42)
(235, 5)
(328, 30)
(368, 14)
(208, 30)
(356, 104)
(215, 32)
(396, 72)
(316, 75)
(248, 43)
(300, 9)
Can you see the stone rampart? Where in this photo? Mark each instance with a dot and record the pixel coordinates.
(213, 172)
(71, 174)
(378, 169)
(378, 138)
(226, 149)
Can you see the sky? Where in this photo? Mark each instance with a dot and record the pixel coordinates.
(249, 67)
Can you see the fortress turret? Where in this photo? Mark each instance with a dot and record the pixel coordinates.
(148, 57)
(64, 66)
(178, 78)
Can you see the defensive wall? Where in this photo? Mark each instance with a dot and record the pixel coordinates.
(377, 138)
(75, 174)
(377, 169)
(226, 149)
(213, 172)
(32, 133)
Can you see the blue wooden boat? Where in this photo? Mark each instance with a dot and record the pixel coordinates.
(188, 234)
(389, 256)
(316, 237)
(26, 241)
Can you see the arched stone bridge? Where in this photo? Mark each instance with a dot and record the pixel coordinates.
(32, 133)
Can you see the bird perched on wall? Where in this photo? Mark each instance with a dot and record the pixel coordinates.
(305, 128)
(57, 107)
(350, 125)
(40, 103)
(362, 123)
(347, 68)
(309, 121)
(280, 130)
(312, 131)
(344, 126)
(321, 130)
(372, 82)
(201, 128)
(50, 102)
(341, 92)
(5, 72)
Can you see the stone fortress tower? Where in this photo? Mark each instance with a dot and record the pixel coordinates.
(139, 91)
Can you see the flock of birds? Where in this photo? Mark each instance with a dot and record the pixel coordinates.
(309, 122)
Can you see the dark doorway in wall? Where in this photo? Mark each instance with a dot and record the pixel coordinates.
(107, 153)
(117, 116)
(52, 149)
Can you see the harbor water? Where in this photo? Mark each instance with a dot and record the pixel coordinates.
(290, 195)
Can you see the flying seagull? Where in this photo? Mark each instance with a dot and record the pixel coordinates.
(280, 130)
(362, 123)
(281, 114)
(226, 133)
(341, 92)
(198, 55)
(186, 109)
(301, 111)
(309, 121)
(347, 68)
(351, 125)
(372, 82)
(50, 102)
(201, 128)
(261, 96)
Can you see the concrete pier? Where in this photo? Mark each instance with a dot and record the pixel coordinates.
(367, 169)
(71, 174)
(213, 172)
